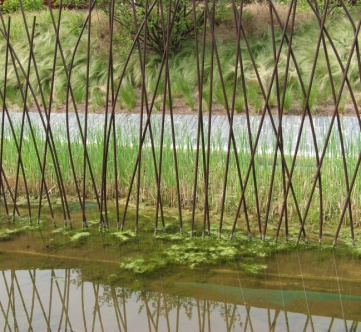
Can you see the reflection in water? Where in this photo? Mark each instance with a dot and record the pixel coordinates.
(41, 300)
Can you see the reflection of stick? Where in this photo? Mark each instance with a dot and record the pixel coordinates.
(248, 319)
(83, 306)
(177, 319)
(331, 324)
(286, 319)
(339, 290)
(283, 300)
(226, 314)
(33, 279)
(204, 315)
(64, 308)
(158, 311)
(97, 307)
(11, 301)
(32, 299)
(274, 323)
(5, 316)
(50, 297)
(116, 308)
(199, 320)
(149, 314)
(166, 311)
(63, 302)
(22, 299)
(231, 323)
(68, 283)
(309, 316)
(125, 312)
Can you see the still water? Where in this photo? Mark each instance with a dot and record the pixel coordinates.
(302, 291)
(50, 283)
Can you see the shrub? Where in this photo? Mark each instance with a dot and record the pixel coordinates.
(180, 13)
(10, 6)
(71, 3)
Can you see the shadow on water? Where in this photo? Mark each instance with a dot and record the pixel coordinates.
(48, 282)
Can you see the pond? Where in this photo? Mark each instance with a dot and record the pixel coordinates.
(57, 279)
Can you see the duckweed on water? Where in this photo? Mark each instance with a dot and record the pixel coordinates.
(254, 268)
(124, 236)
(145, 252)
(8, 233)
(60, 230)
(194, 252)
(4, 236)
(79, 236)
(141, 265)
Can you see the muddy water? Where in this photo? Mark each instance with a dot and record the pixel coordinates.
(47, 284)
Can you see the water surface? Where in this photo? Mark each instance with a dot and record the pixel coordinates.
(307, 291)
(48, 283)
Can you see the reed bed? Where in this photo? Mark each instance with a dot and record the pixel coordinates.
(332, 175)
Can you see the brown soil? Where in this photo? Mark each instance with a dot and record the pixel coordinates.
(180, 107)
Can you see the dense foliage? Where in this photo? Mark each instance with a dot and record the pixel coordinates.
(10, 6)
(150, 20)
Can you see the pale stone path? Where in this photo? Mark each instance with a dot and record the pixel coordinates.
(186, 127)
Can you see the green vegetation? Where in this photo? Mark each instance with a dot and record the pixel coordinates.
(79, 237)
(146, 253)
(8, 234)
(183, 76)
(195, 252)
(333, 183)
(10, 6)
(179, 14)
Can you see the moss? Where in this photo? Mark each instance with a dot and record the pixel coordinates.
(79, 236)
(124, 236)
(144, 252)
(4, 236)
(253, 268)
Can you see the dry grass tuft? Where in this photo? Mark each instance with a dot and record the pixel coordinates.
(257, 20)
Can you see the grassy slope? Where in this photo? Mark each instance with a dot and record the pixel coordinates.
(183, 76)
